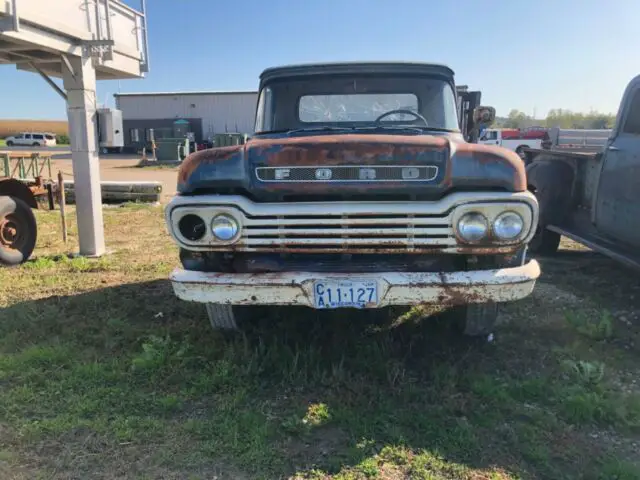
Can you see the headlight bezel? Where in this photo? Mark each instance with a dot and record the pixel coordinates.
(208, 215)
(493, 210)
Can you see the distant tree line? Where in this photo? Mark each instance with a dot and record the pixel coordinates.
(558, 117)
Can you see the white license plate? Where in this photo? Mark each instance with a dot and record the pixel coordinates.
(345, 293)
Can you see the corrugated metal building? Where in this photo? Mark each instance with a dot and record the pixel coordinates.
(208, 113)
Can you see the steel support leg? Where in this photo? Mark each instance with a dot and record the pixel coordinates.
(80, 85)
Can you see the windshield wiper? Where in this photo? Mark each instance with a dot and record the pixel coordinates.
(319, 129)
(412, 128)
(420, 128)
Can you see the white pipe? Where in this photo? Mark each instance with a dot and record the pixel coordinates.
(145, 41)
(16, 18)
(107, 10)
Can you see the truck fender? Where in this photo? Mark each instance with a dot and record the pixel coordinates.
(15, 188)
(551, 181)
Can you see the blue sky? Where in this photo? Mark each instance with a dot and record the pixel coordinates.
(525, 54)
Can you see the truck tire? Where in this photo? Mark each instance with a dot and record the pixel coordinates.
(232, 317)
(551, 182)
(545, 242)
(18, 231)
(521, 153)
(9, 143)
(474, 319)
(221, 317)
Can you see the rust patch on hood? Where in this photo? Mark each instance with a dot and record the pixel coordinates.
(204, 157)
(343, 149)
(461, 165)
(475, 163)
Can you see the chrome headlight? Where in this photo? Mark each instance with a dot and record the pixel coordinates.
(473, 227)
(508, 226)
(224, 227)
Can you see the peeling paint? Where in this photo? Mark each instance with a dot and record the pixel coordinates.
(460, 165)
(296, 288)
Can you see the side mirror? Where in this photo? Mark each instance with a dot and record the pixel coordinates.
(484, 115)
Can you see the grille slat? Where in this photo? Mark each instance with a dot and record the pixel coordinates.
(379, 242)
(327, 232)
(369, 220)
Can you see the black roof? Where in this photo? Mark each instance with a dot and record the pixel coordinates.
(354, 67)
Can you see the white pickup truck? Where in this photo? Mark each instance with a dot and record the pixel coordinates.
(514, 140)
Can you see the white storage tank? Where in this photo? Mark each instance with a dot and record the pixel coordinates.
(110, 131)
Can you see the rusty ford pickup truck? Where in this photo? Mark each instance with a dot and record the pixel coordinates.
(357, 190)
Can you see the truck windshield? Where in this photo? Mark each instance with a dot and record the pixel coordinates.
(356, 102)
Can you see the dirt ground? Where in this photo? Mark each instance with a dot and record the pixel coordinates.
(122, 168)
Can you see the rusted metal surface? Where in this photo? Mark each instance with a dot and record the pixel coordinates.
(212, 157)
(27, 192)
(14, 232)
(485, 165)
(296, 288)
(459, 164)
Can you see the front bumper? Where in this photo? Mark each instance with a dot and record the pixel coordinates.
(296, 288)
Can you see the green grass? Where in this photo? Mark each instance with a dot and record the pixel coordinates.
(104, 374)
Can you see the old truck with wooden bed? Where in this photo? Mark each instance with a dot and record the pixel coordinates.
(593, 197)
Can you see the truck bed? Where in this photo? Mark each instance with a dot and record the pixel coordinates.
(564, 152)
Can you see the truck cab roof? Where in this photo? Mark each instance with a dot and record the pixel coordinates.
(338, 68)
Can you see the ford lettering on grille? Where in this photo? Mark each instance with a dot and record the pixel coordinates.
(351, 173)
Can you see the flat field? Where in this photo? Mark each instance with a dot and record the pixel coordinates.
(10, 127)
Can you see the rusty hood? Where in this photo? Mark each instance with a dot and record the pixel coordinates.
(347, 165)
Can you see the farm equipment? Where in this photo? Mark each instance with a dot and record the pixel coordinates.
(25, 184)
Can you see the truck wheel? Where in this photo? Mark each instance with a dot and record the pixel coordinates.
(521, 153)
(18, 231)
(474, 319)
(231, 317)
(221, 317)
(545, 241)
(9, 143)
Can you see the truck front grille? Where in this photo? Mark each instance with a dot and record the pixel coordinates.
(333, 231)
(344, 227)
